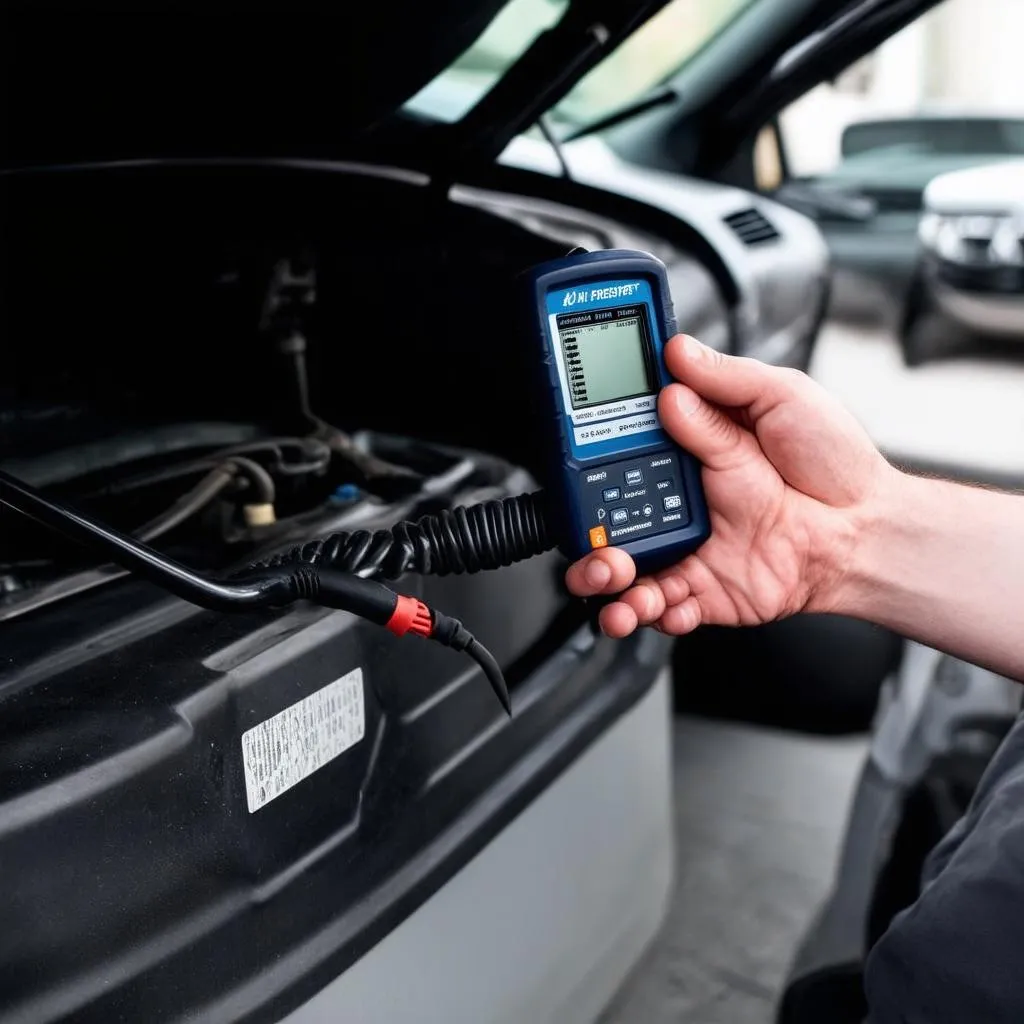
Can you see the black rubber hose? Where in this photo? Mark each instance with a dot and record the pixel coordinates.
(188, 505)
(258, 591)
(314, 455)
(487, 536)
(259, 478)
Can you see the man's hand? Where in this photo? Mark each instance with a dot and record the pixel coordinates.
(789, 476)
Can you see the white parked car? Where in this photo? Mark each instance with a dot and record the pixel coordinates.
(971, 277)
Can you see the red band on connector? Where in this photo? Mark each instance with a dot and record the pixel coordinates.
(410, 616)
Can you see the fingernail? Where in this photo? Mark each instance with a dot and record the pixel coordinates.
(597, 574)
(686, 401)
(694, 349)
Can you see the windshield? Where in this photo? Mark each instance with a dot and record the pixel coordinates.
(647, 58)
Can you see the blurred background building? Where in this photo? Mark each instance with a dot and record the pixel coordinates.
(963, 57)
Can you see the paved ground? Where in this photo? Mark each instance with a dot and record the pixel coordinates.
(759, 818)
(966, 409)
(760, 814)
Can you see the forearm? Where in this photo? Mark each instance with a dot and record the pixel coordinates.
(942, 563)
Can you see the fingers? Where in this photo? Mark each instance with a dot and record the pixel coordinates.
(725, 380)
(648, 602)
(674, 585)
(713, 437)
(646, 605)
(611, 571)
(682, 618)
(641, 605)
(605, 571)
(618, 620)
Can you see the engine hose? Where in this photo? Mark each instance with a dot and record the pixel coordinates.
(465, 539)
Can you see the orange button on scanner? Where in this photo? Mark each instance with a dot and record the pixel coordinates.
(599, 537)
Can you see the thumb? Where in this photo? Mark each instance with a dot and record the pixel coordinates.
(731, 381)
(702, 429)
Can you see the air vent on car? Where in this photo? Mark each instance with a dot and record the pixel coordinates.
(752, 227)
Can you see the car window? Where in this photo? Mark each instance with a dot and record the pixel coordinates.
(655, 52)
(950, 136)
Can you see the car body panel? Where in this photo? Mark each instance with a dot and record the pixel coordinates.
(177, 901)
(550, 863)
(988, 315)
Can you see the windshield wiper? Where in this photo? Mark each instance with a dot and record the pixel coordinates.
(660, 98)
(556, 145)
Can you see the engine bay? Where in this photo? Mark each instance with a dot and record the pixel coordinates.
(174, 352)
(224, 360)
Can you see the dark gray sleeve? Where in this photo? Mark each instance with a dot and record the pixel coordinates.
(957, 955)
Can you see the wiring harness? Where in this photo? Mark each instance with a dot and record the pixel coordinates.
(333, 571)
(469, 539)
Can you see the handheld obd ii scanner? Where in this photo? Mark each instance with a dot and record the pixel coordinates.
(601, 321)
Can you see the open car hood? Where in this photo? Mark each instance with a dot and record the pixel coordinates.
(93, 81)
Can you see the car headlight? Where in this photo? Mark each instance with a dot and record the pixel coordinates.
(1008, 241)
(928, 229)
(974, 239)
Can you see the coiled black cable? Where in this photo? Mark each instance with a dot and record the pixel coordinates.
(329, 572)
(470, 539)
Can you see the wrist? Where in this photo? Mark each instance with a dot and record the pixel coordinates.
(858, 562)
(941, 563)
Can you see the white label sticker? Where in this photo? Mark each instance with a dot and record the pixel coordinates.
(282, 751)
(611, 429)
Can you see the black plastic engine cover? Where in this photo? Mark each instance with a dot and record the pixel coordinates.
(137, 885)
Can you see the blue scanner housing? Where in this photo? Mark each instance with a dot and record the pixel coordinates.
(601, 320)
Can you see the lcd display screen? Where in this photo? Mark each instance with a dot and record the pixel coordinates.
(606, 356)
